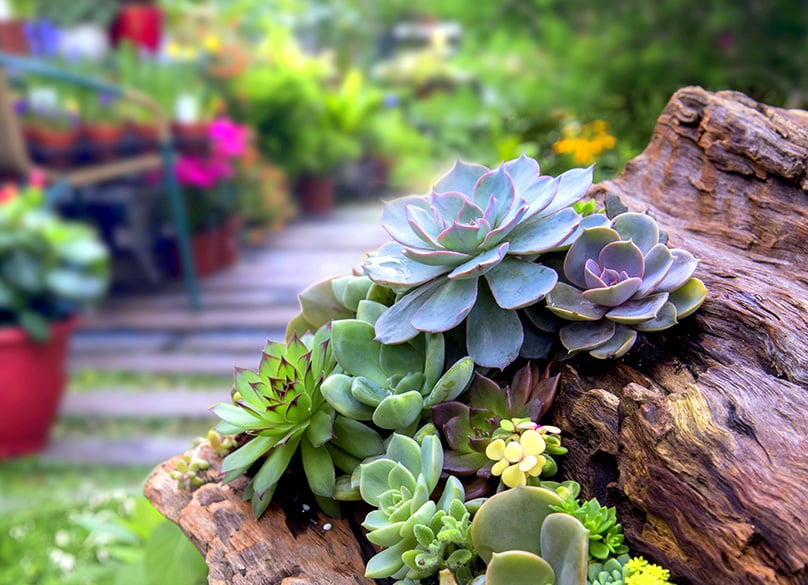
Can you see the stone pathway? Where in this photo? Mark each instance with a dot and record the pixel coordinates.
(242, 308)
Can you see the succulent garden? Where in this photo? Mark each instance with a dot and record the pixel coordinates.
(420, 385)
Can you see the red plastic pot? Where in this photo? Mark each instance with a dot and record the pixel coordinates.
(139, 24)
(32, 381)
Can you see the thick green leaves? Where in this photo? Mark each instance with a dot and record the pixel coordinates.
(318, 467)
(516, 567)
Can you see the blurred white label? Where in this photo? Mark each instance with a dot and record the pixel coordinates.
(186, 109)
(43, 98)
(5, 10)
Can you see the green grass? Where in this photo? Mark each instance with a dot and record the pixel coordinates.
(92, 380)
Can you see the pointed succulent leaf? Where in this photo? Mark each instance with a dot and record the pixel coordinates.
(336, 389)
(543, 233)
(637, 227)
(389, 265)
(244, 380)
(564, 542)
(273, 468)
(459, 237)
(572, 186)
(395, 324)
(356, 438)
(452, 383)
(528, 503)
(461, 178)
(496, 183)
(494, 335)
(318, 467)
(524, 172)
(590, 221)
(445, 258)
(516, 567)
(394, 220)
(622, 340)
(243, 457)
(636, 311)
(398, 410)
(319, 305)
(688, 297)
(684, 265)
(421, 516)
(425, 225)
(480, 264)
(238, 417)
(400, 477)
(388, 562)
(342, 459)
(583, 336)
(516, 283)
(587, 246)
(447, 306)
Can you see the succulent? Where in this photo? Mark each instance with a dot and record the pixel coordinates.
(399, 484)
(623, 570)
(469, 428)
(524, 542)
(521, 451)
(281, 408)
(392, 385)
(605, 534)
(467, 251)
(187, 472)
(622, 280)
(333, 299)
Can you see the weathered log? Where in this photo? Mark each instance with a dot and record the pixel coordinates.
(698, 435)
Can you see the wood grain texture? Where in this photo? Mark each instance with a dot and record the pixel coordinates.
(699, 434)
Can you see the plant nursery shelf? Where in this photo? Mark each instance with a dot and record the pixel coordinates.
(699, 435)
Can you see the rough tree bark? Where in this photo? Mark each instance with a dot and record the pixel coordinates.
(698, 435)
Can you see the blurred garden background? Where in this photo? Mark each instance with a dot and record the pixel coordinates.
(284, 123)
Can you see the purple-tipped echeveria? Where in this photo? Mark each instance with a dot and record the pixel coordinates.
(468, 251)
(621, 280)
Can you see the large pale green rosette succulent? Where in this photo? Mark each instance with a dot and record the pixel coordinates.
(467, 251)
(622, 280)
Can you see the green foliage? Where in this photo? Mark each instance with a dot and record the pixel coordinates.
(49, 267)
(605, 533)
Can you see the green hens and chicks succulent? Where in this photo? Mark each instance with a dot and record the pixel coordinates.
(419, 384)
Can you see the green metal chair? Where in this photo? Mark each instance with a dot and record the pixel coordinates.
(14, 159)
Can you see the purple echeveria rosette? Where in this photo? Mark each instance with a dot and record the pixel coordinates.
(468, 250)
(620, 280)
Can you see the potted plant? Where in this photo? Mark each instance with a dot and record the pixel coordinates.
(49, 270)
(50, 123)
(101, 128)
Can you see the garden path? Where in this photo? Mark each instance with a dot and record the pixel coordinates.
(156, 334)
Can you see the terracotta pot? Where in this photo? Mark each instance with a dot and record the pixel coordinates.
(12, 37)
(316, 194)
(32, 381)
(205, 248)
(104, 139)
(192, 139)
(53, 148)
(146, 136)
(229, 235)
(142, 25)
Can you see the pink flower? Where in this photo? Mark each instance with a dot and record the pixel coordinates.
(202, 172)
(229, 139)
(37, 179)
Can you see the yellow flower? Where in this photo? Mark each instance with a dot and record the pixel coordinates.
(517, 459)
(212, 43)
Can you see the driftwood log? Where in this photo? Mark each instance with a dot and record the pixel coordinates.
(699, 435)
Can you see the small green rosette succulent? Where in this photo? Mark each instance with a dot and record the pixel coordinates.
(392, 385)
(467, 251)
(621, 280)
(282, 411)
(406, 520)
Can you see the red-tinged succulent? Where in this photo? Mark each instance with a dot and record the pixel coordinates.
(468, 428)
